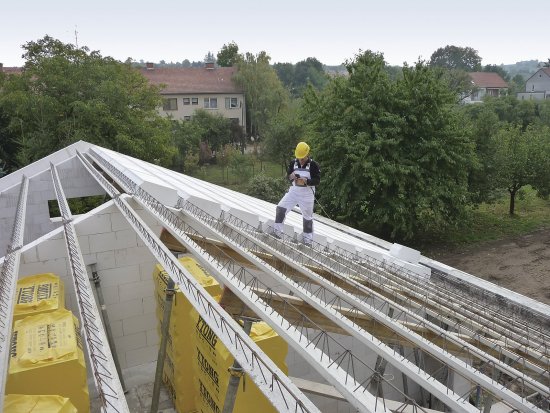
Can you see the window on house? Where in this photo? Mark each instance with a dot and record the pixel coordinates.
(186, 101)
(170, 104)
(187, 118)
(194, 101)
(210, 103)
(231, 103)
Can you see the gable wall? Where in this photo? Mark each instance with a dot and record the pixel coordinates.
(125, 268)
(540, 81)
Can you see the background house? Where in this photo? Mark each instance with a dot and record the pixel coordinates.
(190, 88)
(537, 86)
(486, 84)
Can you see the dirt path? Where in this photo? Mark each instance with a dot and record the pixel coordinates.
(521, 264)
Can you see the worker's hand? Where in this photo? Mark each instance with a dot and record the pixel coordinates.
(291, 176)
(301, 181)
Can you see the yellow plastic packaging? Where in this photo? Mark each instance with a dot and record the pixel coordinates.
(46, 357)
(24, 403)
(37, 294)
(211, 361)
(178, 350)
(196, 367)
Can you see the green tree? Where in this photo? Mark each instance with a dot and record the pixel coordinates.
(267, 188)
(484, 124)
(187, 137)
(214, 129)
(546, 64)
(497, 69)
(454, 57)
(521, 157)
(394, 153)
(66, 94)
(285, 72)
(8, 145)
(309, 71)
(517, 84)
(229, 55)
(209, 58)
(458, 81)
(265, 94)
(283, 132)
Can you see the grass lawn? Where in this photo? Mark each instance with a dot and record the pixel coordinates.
(490, 222)
(229, 178)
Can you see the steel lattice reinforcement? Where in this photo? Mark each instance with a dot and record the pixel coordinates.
(376, 283)
(8, 282)
(281, 392)
(346, 381)
(341, 300)
(101, 360)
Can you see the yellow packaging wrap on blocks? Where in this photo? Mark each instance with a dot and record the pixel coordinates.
(211, 363)
(46, 357)
(177, 365)
(38, 294)
(24, 403)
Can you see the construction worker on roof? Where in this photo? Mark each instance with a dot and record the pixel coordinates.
(304, 174)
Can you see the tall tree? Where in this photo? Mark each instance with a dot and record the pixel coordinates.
(264, 92)
(285, 71)
(454, 57)
(309, 71)
(522, 157)
(497, 69)
(209, 58)
(394, 153)
(215, 129)
(66, 94)
(229, 55)
(283, 132)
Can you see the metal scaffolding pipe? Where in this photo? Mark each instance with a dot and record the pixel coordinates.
(168, 300)
(236, 372)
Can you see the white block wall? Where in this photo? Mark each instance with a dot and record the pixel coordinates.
(125, 268)
(8, 207)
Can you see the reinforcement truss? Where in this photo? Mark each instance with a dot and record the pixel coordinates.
(380, 292)
(320, 290)
(278, 389)
(8, 282)
(101, 360)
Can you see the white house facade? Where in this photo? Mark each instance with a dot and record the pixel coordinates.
(537, 86)
(211, 88)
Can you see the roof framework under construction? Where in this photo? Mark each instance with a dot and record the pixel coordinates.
(371, 326)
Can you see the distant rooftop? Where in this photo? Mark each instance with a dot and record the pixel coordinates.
(208, 79)
(488, 80)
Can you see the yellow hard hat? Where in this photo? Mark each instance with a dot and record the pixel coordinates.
(302, 150)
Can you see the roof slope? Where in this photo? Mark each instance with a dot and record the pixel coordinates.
(361, 295)
(488, 80)
(186, 80)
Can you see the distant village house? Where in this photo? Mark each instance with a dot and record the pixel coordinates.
(486, 84)
(186, 89)
(537, 86)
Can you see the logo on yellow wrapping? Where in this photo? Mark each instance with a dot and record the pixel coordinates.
(208, 398)
(206, 368)
(206, 332)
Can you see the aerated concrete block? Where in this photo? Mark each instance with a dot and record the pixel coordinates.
(405, 253)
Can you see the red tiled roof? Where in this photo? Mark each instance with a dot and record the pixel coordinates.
(546, 70)
(12, 70)
(488, 79)
(193, 79)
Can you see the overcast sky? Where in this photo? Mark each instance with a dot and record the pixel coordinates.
(289, 31)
